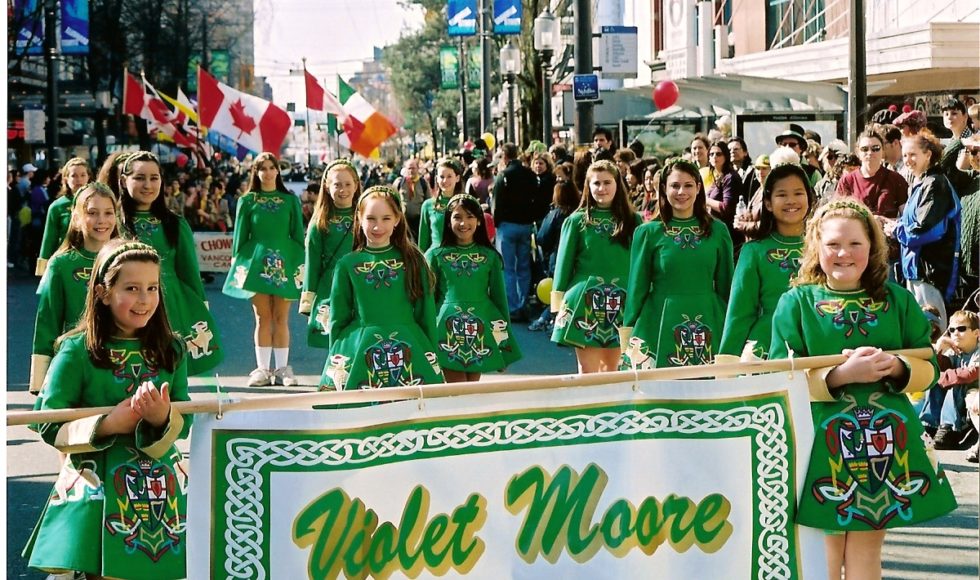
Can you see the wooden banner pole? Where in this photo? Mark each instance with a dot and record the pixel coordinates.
(306, 400)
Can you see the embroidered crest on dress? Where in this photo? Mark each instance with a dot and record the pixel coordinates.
(637, 356)
(147, 492)
(341, 223)
(852, 314)
(76, 485)
(269, 203)
(299, 275)
(82, 274)
(865, 444)
(389, 363)
(603, 313)
(199, 343)
(685, 236)
(464, 264)
(692, 343)
(338, 371)
(145, 226)
(788, 259)
(130, 368)
(380, 273)
(604, 226)
(322, 318)
(274, 269)
(465, 340)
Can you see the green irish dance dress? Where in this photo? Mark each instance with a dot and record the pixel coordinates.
(55, 229)
(183, 293)
(323, 250)
(433, 218)
(591, 273)
(869, 469)
(118, 507)
(473, 325)
(267, 251)
(762, 275)
(679, 283)
(60, 303)
(377, 337)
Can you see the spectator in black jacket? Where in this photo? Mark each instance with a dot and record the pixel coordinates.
(514, 215)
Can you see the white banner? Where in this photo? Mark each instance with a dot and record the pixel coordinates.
(683, 479)
(213, 251)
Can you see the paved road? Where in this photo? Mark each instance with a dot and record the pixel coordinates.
(947, 548)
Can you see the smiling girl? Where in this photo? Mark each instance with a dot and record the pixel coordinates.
(267, 266)
(61, 293)
(74, 175)
(382, 323)
(146, 218)
(449, 174)
(473, 327)
(680, 277)
(329, 238)
(869, 469)
(593, 266)
(767, 264)
(122, 354)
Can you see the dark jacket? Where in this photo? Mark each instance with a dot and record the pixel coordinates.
(929, 232)
(514, 193)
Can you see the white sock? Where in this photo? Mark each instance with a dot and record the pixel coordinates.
(263, 356)
(282, 357)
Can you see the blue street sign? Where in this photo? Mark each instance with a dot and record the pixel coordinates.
(585, 87)
(507, 16)
(462, 17)
(74, 27)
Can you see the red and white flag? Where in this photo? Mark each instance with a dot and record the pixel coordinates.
(254, 123)
(141, 99)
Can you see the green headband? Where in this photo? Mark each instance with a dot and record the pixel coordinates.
(97, 186)
(385, 190)
(341, 162)
(460, 197)
(122, 249)
(844, 203)
(127, 163)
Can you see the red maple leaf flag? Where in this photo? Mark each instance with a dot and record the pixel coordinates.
(254, 123)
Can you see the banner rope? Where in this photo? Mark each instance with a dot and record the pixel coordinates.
(388, 394)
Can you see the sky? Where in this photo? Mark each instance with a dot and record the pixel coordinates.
(335, 36)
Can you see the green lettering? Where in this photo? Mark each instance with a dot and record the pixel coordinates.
(316, 525)
(713, 528)
(617, 526)
(468, 518)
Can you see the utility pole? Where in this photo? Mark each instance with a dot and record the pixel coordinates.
(486, 117)
(309, 140)
(857, 81)
(463, 78)
(584, 119)
(52, 54)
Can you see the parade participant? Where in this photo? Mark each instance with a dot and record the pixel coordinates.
(74, 175)
(767, 264)
(449, 181)
(267, 266)
(61, 293)
(680, 278)
(109, 172)
(473, 333)
(382, 323)
(118, 508)
(593, 266)
(869, 469)
(145, 217)
(329, 238)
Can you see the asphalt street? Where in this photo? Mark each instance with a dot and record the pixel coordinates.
(946, 548)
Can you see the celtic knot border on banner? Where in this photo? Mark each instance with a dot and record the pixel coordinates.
(247, 457)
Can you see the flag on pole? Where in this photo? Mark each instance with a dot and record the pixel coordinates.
(142, 100)
(314, 92)
(364, 127)
(251, 121)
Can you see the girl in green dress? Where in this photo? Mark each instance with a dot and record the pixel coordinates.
(92, 222)
(118, 507)
(869, 469)
(473, 326)
(145, 217)
(74, 175)
(589, 288)
(329, 238)
(449, 181)
(267, 266)
(767, 264)
(680, 277)
(382, 324)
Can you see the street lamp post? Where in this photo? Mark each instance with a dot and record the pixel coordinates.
(103, 103)
(510, 65)
(441, 126)
(52, 54)
(546, 42)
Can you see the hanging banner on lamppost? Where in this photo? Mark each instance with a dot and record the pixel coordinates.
(74, 27)
(449, 67)
(474, 69)
(507, 16)
(462, 18)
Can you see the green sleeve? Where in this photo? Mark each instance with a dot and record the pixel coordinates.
(641, 274)
(179, 392)
(725, 267)
(743, 306)
(787, 328)
(432, 258)
(425, 229)
(297, 233)
(498, 292)
(185, 259)
(50, 310)
(425, 310)
(52, 237)
(568, 248)
(243, 223)
(62, 387)
(314, 253)
(341, 300)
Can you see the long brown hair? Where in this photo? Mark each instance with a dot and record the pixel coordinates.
(73, 162)
(621, 207)
(75, 239)
(700, 205)
(324, 203)
(109, 172)
(254, 183)
(417, 271)
(159, 344)
(875, 275)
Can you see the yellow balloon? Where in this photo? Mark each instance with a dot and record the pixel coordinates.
(544, 290)
(489, 139)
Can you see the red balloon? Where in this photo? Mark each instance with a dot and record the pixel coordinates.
(893, 108)
(181, 160)
(907, 108)
(665, 94)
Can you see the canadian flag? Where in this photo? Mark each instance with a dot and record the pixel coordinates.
(254, 123)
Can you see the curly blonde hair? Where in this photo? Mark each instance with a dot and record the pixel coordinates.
(875, 275)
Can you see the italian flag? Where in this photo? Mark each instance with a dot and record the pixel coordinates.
(364, 127)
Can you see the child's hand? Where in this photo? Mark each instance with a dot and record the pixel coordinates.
(122, 419)
(152, 404)
(945, 343)
(864, 364)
